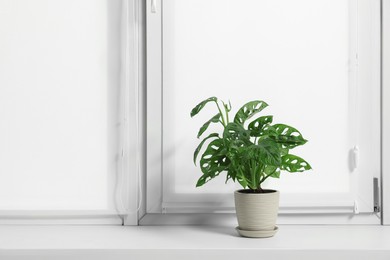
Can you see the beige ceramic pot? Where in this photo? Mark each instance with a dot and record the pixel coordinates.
(256, 212)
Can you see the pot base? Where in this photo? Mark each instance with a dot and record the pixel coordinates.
(257, 233)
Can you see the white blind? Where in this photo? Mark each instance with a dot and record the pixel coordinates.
(59, 86)
(298, 56)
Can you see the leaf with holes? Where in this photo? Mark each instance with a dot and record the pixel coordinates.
(283, 150)
(267, 152)
(293, 163)
(236, 132)
(288, 136)
(201, 144)
(213, 161)
(248, 155)
(214, 119)
(201, 105)
(256, 127)
(249, 110)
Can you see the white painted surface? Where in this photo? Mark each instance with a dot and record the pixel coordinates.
(59, 78)
(220, 48)
(386, 111)
(154, 105)
(134, 133)
(296, 242)
(230, 219)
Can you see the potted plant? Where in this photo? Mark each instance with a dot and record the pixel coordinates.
(249, 152)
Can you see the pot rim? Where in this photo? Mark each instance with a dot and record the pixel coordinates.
(272, 192)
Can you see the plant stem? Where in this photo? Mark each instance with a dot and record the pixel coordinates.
(260, 174)
(254, 185)
(226, 112)
(265, 178)
(220, 112)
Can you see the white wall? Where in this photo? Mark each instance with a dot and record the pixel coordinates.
(59, 79)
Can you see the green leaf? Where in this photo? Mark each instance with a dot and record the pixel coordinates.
(248, 156)
(228, 176)
(214, 119)
(201, 144)
(231, 174)
(201, 105)
(237, 170)
(245, 159)
(272, 171)
(213, 161)
(293, 163)
(256, 127)
(243, 181)
(288, 136)
(283, 150)
(249, 110)
(267, 152)
(275, 174)
(236, 132)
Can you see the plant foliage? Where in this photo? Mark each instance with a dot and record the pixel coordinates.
(250, 152)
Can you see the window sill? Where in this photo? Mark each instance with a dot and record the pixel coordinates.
(192, 242)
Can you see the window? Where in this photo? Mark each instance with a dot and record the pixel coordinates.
(317, 63)
(78, 116)
(68, 119)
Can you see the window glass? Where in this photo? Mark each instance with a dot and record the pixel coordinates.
(298, 56)
(59, 78)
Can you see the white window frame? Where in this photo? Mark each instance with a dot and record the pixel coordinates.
(154, 120)
(385, 30)
(131, 135)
